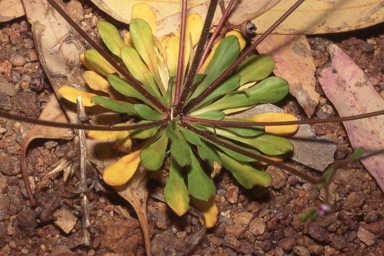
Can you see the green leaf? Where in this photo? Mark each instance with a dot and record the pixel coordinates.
(238, 156)
(101, 65)
(245, 131)
(255, 68)
(123, 87)
(228, 85)
(226, 53)
(190, 136)
(138, 69)
(141, 35)
(115, 105)
(207, 153)
(180, 150)
(199, 184)
(267, 143)
(212, 115)
(269, 90)
(111, 37)
(245, 174)
(170, 91)
(170, 132)
(147, 113)
(176, 192)
(146, 133)
(152, 157)
(358, 153)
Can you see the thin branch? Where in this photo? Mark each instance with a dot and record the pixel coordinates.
(199, 51)
(214, 35)
(179, 75)
(249, 154)
(82, 126)
(128, 76)
(241, 58)
(315, 121)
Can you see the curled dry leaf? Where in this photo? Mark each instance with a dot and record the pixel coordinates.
(51, 112)
(347, 87)
(10, 9)
(294, 62)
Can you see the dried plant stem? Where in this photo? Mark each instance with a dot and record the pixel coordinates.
(249, 154)
(127, 75)
(241, 58)
(180, 66)
(315, 121)
(217, 31)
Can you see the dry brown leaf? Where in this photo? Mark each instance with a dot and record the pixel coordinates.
(320, 17)
(51, 112)
(168, 12)
(11, 9)
(294, 63)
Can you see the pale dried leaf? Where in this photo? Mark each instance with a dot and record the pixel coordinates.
(11, 9)
(320, 17)
(294, 63)
(347, 87)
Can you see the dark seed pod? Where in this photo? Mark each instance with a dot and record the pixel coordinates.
(247, 28)
(37, 84)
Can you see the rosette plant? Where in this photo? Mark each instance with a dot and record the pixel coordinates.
(179, 104)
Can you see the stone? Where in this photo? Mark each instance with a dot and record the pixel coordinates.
(5, 250)
(232, 194)
(338, 242)
(28, 103)
(26, 220)
(367, 237)
(301, 251)
(318, 233)
(353, 201)
(257, 226)
(279, 178)
(287, 243)
(75, 10)
(231, 242)
(61, 251)
(66, 220)
(17, 60)
(347, 177)
(6, 87)
(371, 216)
(243, 218)
(216, 241)
(124, 236)
(376, 228)
(317, 153)
(4, 206)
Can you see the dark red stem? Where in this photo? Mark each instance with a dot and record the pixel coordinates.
(198, 53)
(179, 75)
(214, 35)
(241, 58)
(315, 121)
(84, 127)
(249, 154)
(128, 76)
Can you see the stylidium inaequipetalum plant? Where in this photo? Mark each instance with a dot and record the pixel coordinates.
(179, 93)
(153, 62)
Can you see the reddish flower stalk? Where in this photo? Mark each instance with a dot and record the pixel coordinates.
(214, 35)
(315, 121)
(179, 75)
